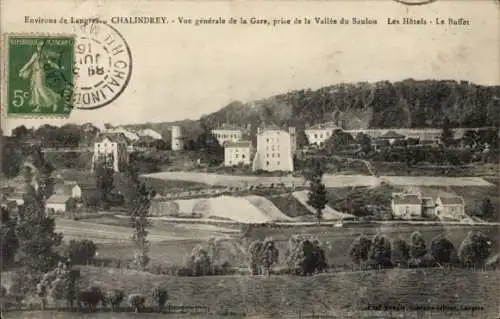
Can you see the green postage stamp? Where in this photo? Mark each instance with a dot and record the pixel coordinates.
(40, 75)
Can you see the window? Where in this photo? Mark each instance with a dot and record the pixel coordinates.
(242, 155)
(236, 156)
(267, 140)
(267, 155)
(278, 163)
(273, 155)
(278, 155)
(315, 135)
(267, 163)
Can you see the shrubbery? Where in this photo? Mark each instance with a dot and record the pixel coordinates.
(305, 256)
(81, 251)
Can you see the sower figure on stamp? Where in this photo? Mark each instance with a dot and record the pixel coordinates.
(41, 95)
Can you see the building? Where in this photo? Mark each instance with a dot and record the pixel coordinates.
(428, 207)
(228, 133)
(56, 203)
(111, 150)
(150, 133)
(318, 134)
(275, 148)
(236, 153)
(391, 136)
(131, 136)
(177, 138)
(450, 206)
(406, 206)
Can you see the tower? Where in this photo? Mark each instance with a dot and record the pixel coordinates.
(177, 138)
(293, 139)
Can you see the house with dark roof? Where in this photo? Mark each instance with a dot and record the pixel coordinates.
(239, 152)
(450, 206)
(406, 206)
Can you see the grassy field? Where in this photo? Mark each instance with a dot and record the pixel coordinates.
(281, 296)
(336, 240)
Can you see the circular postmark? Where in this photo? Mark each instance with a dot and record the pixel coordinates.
(103, 66)
(415, 2)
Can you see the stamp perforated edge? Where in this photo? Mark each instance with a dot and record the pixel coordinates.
(4, 56)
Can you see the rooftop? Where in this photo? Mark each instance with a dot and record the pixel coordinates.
(409, 199)
(326, 125)
(58, 199)
(238, 144)
(392, 134)
(113, 137)
(456, 200)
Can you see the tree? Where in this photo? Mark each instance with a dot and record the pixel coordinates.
(316, 197)
(364, 141)
(305, 256)
(21, 132)
(9, 242)
(81, 251)
(442, 250)
(254, 259)
(485, 208)
(104, 182)
(140, 223)
(360, 249)
(380, 251)
(474, 249)
(57, 284)
(210, 148)
(417, 245)
(199, 262)
(471, 138)
(338, 141)
(400, 252)
(447, 135)
(35, 230)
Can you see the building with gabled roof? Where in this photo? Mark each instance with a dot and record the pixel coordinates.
(57, 203)
(450, 206)
(228, 132)
(110, 149)
(236, 153)
(319, 133)
(406, 206)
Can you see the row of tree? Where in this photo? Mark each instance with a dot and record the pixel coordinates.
(474, 250)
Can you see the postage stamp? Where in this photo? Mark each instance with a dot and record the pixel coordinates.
(40, 75)
(103, 65)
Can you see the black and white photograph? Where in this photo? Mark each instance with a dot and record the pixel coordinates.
(267, 159)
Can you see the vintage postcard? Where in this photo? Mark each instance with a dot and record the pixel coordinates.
(262, 159)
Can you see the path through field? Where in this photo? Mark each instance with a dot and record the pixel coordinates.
(329, 180)
(328, 213)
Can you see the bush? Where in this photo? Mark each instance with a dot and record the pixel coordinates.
(161, 297)
(400, 252)
(442, 249)
(418, 247)
(305, 256)
(360, 249)
(474, 249)
(380, 251)
(115, 298)
(137, 301)
(81, 251)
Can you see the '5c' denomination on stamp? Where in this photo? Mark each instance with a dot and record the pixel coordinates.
(103, 65)
(40, 75)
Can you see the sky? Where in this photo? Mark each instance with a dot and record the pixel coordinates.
(185, 71)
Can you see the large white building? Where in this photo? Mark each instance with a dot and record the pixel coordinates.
(110, 149)
(236, 153)
(228, 133)
(275, 148)
(319, 133)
